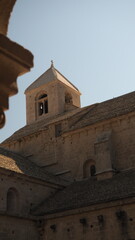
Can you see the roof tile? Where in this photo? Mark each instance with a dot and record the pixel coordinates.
(16, 163)
(88, 192)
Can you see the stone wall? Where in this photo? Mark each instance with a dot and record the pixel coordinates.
(14, 228)
(103, 222)
(72, 149)
(29, 192)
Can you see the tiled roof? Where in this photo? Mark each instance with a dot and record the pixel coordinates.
(88, 192)
(50, 75)
(16, 163)
(103, 111)
(82, 117)
(39, 125)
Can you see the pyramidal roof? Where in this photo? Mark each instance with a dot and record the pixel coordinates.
(50, 75)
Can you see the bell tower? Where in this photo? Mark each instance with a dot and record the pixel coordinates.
(50, 95)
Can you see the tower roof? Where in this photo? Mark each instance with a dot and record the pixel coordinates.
(50, 75)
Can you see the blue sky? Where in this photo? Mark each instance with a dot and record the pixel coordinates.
(92, 43)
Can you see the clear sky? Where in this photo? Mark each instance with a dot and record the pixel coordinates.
(92, 43)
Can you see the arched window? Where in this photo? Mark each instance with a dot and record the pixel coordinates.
(12, 200)
(89, 169)
(92, 170)
(68, 98)
(42, 104)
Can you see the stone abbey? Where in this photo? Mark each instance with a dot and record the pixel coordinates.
(70, 172)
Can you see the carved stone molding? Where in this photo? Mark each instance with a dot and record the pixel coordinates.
(14, 60)
(6, 7)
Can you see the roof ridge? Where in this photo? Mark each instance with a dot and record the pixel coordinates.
(39, 78)
(48, 76)
(66, 79)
